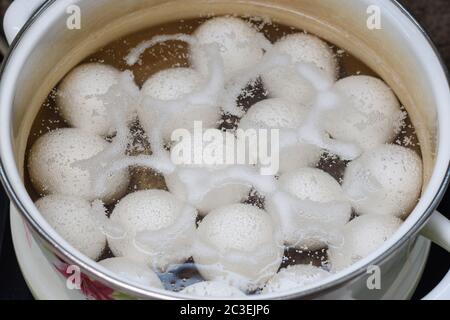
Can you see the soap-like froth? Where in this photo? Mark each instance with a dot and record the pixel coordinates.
(216, 197)
(72, 219)
(285, 82)
(79, 97)
(386, 180)
(212, 289)
(314, 230)
(372, 115)
(153, 211)
(172, 84)
(238, 246)
(133, 272)
(53, 165)
(240, 44)
(362, 236)
(277, 113)
(294, 277)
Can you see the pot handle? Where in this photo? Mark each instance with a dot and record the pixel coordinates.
(17, 15)
(438, 231)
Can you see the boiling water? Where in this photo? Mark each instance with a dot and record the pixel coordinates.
(175, 54)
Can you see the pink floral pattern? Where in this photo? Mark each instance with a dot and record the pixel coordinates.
(92, 289)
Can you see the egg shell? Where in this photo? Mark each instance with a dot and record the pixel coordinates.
(242, 229)
(172, 84)
(295, 277)
(386, 180)
(362, 236)
(151, 210)
(285, 82)
(217, 151)
(52, 165)
(79, 97)
(318, 186)
(277, 113)
(371, 115)
(212, 289)
(239, 43)
(72, 218)
(132, 271)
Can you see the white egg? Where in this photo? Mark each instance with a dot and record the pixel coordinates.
(285, 82)
(237, 245)
(386, 180)
(277, 113)
(172, 84)
(240, 44)
(362, 236)
(52, 165)
(217, 149)
(371, 116)
(72, 219)
(212, 289)
(311, 231)
(79, 97)
(295, 277)
(157, 212)
(133, 272)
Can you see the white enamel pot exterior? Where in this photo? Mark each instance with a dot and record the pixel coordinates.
(45, 49)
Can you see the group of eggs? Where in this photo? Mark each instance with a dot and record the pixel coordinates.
(237, 250)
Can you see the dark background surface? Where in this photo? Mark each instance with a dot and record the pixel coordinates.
(434, 15)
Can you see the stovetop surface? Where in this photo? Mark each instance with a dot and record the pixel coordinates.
(434, 15)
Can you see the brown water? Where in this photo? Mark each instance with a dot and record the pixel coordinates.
(175, 54)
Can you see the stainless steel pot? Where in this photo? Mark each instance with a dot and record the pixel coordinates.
(45, 50)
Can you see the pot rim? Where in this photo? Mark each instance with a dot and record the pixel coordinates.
(93, 270)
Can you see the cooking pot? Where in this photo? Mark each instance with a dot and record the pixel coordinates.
(44, 47)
